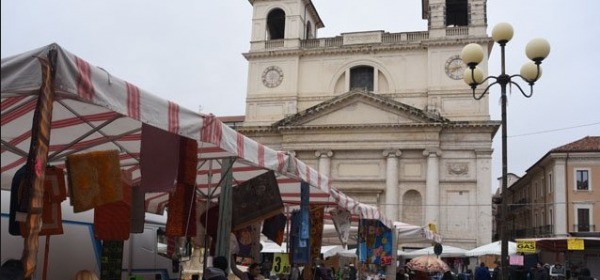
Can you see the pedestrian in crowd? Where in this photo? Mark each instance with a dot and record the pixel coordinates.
(217, 271)
(585, 274)
(497, 274)
(531, 273)
(400, 274)
(482, 272)
(448, 276)
(541, 273)
(253, 272)
(85, 274)
(12, 270)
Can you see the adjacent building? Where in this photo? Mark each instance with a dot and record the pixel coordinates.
(385, 115)
(559, 195)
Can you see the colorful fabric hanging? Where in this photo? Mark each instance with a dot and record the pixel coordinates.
(113, 221)
(94, 179)
(274, 228)
(159, 159)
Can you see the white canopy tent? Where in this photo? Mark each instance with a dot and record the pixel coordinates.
(447, 251)
(493, 248)
(92, 110)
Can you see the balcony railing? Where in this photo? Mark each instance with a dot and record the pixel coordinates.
(386, 38)
(457, 31)
(584, 228)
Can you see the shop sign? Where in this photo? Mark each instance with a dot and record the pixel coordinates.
(525, 246)
(575, 244)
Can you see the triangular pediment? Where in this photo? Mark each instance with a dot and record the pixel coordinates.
(360, 108)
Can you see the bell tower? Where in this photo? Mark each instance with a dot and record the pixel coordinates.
(444, 15)
(277, 23)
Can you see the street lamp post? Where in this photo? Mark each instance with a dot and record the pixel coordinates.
(472, 54)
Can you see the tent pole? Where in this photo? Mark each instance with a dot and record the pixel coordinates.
(224, 229)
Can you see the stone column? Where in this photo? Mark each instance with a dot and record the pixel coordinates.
(432, 187)
(324, 161)
(483, 175)
(391, 184)
(561, 207)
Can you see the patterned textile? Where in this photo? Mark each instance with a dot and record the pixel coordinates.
(341, 221)
(138, 214)
(377, 240)
(94, 179)
(255, 200)
(159, 153)
(180, 215)
(188, 161)
(299, 248)
(244, 241)
(54, 193)
(13, 223)
(274, 228)
(113, 221)
(317, 212)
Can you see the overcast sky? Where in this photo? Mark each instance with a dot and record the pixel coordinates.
(190, 52)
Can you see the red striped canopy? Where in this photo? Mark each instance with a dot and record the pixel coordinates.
(94, 110)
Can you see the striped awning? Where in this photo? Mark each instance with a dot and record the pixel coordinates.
(94, 110)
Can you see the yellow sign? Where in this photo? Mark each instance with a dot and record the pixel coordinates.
(575, 244)
(525, 246)
(281, 263)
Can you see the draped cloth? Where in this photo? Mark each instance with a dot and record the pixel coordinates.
(341, 221)
(113, 221)
(274, 228)
(94, 179)
(159, 159)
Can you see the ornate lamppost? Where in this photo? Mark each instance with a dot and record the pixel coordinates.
(472, 54)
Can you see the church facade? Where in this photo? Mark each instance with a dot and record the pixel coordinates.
(386, 116)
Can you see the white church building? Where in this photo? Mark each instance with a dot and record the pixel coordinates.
(386, 116)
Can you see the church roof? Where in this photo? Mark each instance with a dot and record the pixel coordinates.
(417, 115)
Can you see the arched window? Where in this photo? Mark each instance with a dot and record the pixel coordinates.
(457, 13)
(308, 34)
(276, 24)
(361, 77)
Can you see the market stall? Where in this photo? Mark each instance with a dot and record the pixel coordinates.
(56, 105)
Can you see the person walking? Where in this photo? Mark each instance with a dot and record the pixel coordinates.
(541, 273)
(497, 273)
(482, 272)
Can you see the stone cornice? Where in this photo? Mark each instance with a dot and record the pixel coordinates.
(364, 48)
(493, 125)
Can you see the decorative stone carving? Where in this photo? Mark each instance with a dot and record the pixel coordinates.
(432, 151)
(391, 153)
(325, 153)
(458, 168)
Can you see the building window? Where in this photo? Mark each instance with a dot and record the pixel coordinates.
(550, 184)
(583, 220)
(582, 180)
(361, 77)
(457, 13)
(551, 217)
(276, 24)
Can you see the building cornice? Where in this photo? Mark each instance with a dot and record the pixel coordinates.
(370, 48)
